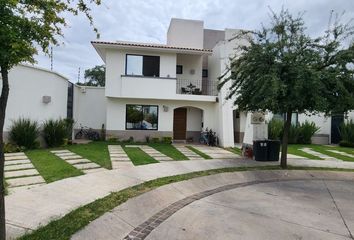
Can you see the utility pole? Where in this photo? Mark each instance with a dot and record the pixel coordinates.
(78, 76)
(51, 58)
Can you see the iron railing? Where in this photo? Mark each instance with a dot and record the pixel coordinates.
(197, 87)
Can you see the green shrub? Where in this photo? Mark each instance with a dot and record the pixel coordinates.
(347, 132)
(294, 134)
(346, 144)
(307, 130)
(275, 129)
(167, 140)
(155, 140)
(69, 123)
(54, 132)
(299, 133)
(24, 132)
(11, 148)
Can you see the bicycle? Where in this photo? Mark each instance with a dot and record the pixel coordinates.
(87, 133)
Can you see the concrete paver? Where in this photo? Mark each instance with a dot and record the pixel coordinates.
(22, 173)
(152, 152)
(119, 158)
(77, 161)
(15, 162)
(342, 153)
(187, 152)
(216, 152)
(15, 182)
(19, 167)
(320, 155)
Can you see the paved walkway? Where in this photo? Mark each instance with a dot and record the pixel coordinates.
(78, 161)
(216, 152)
(239, 205)
(20, 172)
(152, 152)
(119, 158)
(28, 209)
(187, 152)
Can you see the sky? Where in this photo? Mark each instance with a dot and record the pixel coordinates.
(148, 20)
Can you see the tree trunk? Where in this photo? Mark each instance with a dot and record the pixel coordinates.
(3, 103)
(284, 149)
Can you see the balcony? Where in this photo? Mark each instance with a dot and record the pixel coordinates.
(147, 87)
(196, 87)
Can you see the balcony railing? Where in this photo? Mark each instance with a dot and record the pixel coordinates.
(196, 87)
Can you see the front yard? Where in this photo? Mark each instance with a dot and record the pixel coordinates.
(53, 167)
(337, 152)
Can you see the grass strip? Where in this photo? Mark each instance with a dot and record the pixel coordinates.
(324, 150)
(295, 150)
(234, 150)
(94, 151)
(169, 150)
(203, 155)
(138, 156)
(72, 222)
(51, 167)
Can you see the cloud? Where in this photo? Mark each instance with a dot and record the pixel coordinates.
(148, 20)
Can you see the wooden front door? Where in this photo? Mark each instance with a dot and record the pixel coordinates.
(179, 123)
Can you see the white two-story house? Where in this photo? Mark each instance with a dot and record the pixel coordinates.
(156, 90)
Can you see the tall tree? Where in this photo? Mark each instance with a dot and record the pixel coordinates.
(95, 76)
(284, 70)
(24, 26)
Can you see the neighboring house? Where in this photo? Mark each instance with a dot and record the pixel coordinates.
(152, 90)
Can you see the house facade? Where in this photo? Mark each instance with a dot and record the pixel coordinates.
(154, 91)
(157, 90)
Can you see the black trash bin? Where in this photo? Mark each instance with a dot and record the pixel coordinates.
(273, 150)
(260, 150)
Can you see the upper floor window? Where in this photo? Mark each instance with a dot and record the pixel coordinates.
(148, 66)
(205, 73)
(179, 69)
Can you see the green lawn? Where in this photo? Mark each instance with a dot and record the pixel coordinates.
(95, 151)
(138, 156)
(294, 149)
(203, 155)
(51, 167)
(169, 150)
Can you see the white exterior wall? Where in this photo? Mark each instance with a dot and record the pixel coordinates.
(28, 85)
(116, 113)
(194, 119)
(89, 107)
(185, 33)
(217, 64)
(320, 120)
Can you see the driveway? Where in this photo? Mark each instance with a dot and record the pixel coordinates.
(242, 205)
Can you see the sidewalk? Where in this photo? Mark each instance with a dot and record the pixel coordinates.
(27, 209)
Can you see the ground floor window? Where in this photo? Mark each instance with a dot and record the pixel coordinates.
(141, 117)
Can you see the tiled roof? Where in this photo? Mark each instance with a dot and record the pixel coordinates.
(151, 45)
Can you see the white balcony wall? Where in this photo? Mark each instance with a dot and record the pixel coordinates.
(145, 87)
(115, 71)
